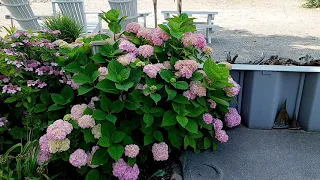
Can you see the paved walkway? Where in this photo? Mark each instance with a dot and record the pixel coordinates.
(258, 155)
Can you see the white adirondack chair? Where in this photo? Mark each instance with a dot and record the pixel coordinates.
(21, 12)
(75, 10)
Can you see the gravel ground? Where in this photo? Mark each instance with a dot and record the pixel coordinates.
(245, 27)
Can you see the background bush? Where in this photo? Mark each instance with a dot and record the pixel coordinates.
(69, 29)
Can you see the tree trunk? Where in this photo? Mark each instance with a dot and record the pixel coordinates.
(155, 13)
(179, 6)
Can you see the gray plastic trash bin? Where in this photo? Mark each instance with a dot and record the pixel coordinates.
(266, 87)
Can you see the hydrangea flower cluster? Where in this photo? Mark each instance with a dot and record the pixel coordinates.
(126, 59)
(3, 121)
(77, 111)
(217, 124)
(145, 33)
(222, 136)
(86, 121)
(67, 80)
(185, 68)
(123, 171)
(131, 150)
(146, 51)
(197, 40)
(153, 69)
(232, 118)
(103, 71)
(207, 118)
(232, 91)
(38, 83)
(10, 89)
(55, 140)
(159, 36)
(133, 27)
(127, 46)
(78, 158)
(213, 104)
(96, 131)
(160, 151)
(196, 89)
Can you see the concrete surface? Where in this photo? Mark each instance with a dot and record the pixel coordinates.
(258, 155)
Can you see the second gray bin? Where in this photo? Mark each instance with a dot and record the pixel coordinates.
(266, 87)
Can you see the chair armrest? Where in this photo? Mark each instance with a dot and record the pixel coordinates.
(93, 13)
(144, 14)
(43, 17)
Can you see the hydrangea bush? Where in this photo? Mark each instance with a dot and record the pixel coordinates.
(142, 97)
(34, 89)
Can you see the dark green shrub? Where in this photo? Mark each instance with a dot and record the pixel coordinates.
(69, 29)
(313, 4)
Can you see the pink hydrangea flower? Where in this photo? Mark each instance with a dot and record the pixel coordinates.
(146, 51)
(161, 34)
(59, 130)
(77, 111)
(207, 118)
(133, 27)
(232, 91)
(222, 136)
(152, 70)
(86, 121)
(207, 50)
(103, 71)
(119, 168)
(145, 33)
(197, 88)
(127, 46)
(217, 124)
(126, 59)
(188, 94)
(188, 39)
(44, 143)
(160, 151)
(132, 173)
(90, 156)
(156, 40)
(197, 40)
(232, 118)
(10, 89)
(200, 41)
(131, 150)
(166, 64)
(43, 157)
(91, 104)
(3, 121)
(185, 68)
(78, 158)
(213, 104)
